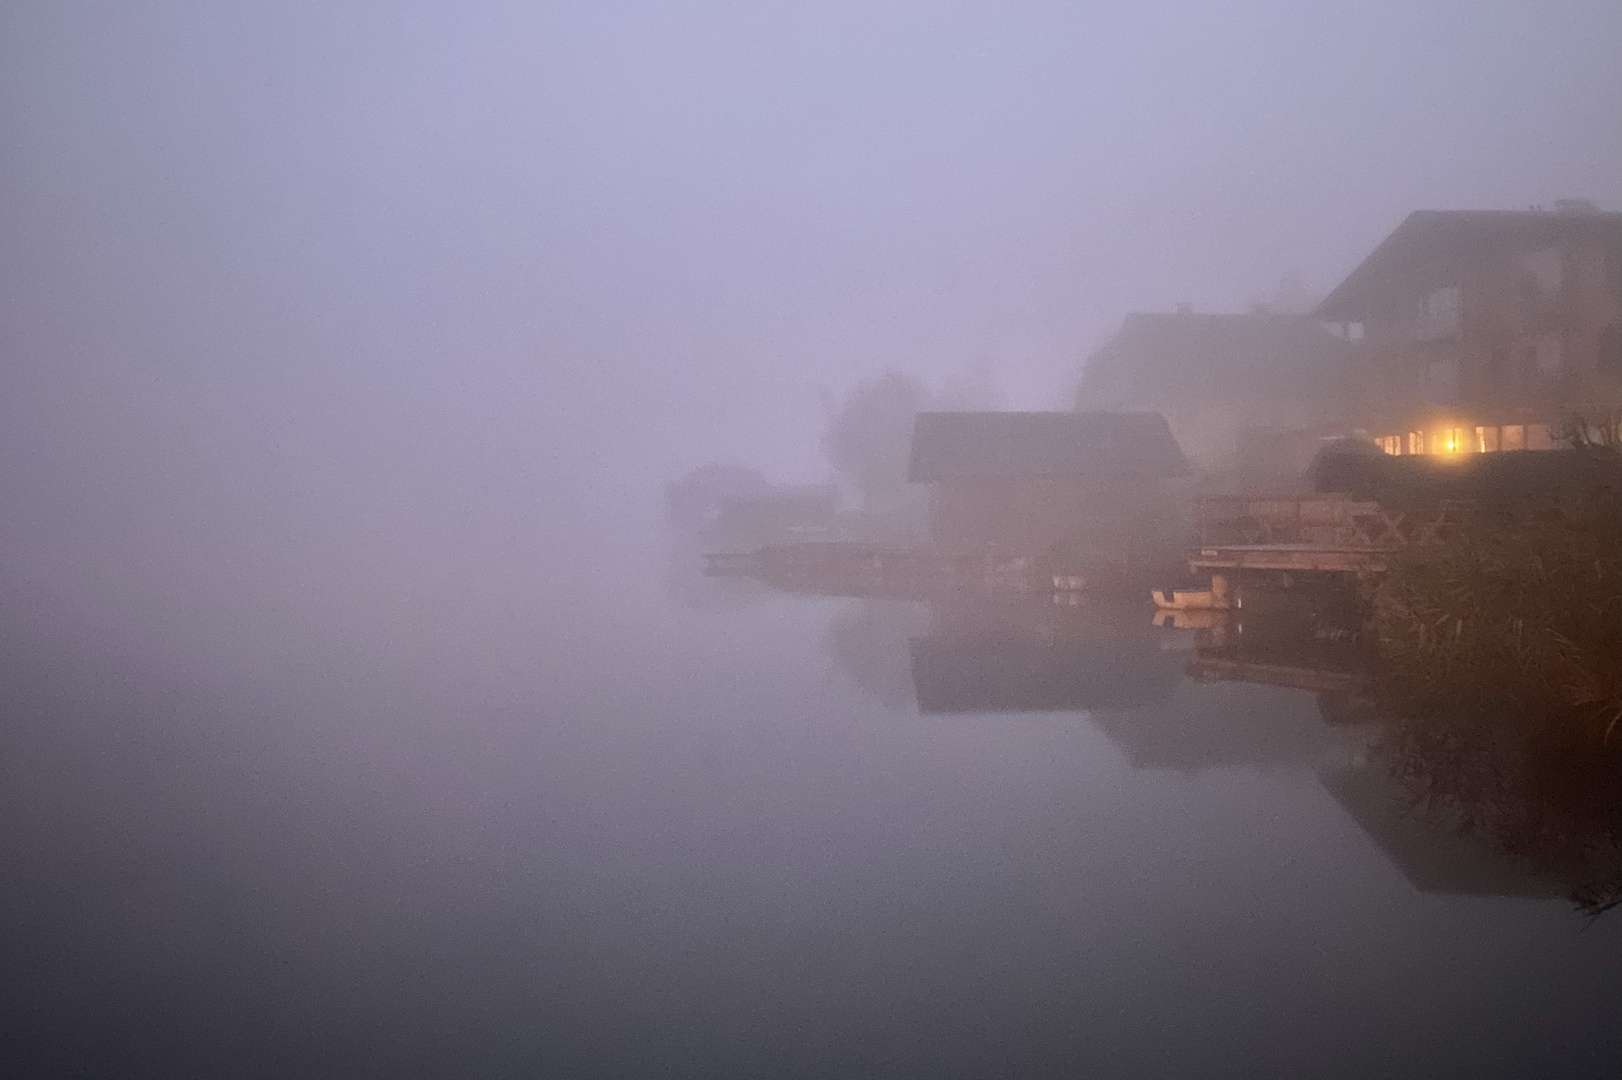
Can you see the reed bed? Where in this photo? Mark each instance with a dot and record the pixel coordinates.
(1523, 616)
(1503, 686)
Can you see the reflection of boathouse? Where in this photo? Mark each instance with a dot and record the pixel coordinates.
(1039, 657)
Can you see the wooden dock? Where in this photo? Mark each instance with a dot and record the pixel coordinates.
(837, 568)
(1313, 533)
(1317, 558)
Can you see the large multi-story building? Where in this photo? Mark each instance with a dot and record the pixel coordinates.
(1247, 395)
(1482, 331)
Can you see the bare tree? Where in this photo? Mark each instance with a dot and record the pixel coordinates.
(867, 436)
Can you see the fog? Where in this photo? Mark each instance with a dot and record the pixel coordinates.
(341, 333)
(312, 262)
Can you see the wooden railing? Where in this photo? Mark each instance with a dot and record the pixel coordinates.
(1322, 520)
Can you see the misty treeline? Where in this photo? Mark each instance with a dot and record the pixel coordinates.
(866, 439)
(867, 430)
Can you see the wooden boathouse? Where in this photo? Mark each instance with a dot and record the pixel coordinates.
(1045, 483)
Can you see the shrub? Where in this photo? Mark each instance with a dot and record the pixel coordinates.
(1518, 615)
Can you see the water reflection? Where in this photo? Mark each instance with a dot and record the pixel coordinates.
(726, 862)
(1301, 639)
(1035, 656)
(1283, 686)
(1433, 857)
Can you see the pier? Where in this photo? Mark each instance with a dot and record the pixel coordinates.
(1330, 534)
(838, 568)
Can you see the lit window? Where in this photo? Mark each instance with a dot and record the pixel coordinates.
(1514, 437)
(1391, 444)
(1446, 440)
(1486, 440)
(1416, 442)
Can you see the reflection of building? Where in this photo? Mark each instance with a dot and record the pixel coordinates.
(1243, 393)
(1036, 483)
(1433, 859)
(1227, 725)
(1485, 330)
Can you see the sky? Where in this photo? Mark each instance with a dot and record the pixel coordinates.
(404, 281)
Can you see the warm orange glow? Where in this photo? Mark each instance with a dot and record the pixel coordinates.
(1486, 439)
(1446, 440)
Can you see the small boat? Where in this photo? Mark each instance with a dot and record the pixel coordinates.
(1185, 599)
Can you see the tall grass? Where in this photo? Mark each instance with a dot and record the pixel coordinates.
(1504, 685)
(1523, 615)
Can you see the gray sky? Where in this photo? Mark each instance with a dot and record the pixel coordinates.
(374, 262)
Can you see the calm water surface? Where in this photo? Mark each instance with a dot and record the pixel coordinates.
(748, 835)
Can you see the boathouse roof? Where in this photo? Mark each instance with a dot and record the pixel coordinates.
(951, 445)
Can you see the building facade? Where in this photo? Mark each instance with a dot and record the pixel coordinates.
(1486, 331)
(1045, 483)
(1246, 395)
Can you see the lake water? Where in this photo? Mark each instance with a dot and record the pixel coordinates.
(738, 834)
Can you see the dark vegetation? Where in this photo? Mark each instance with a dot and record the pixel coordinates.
(1503, 668)
(1501, 487)
(1524, 616)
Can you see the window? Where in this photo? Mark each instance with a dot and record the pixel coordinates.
(1416, 442)
(1439, 314)
(1538, 437)
(1448, 440)
(1486, 440)
(1513, 437)
(1391, 444)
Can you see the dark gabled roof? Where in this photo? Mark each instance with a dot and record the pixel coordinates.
(1160, 357)
(1434, 241)
(1007, 444)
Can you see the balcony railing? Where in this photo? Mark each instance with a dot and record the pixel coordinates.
(1339, 521)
